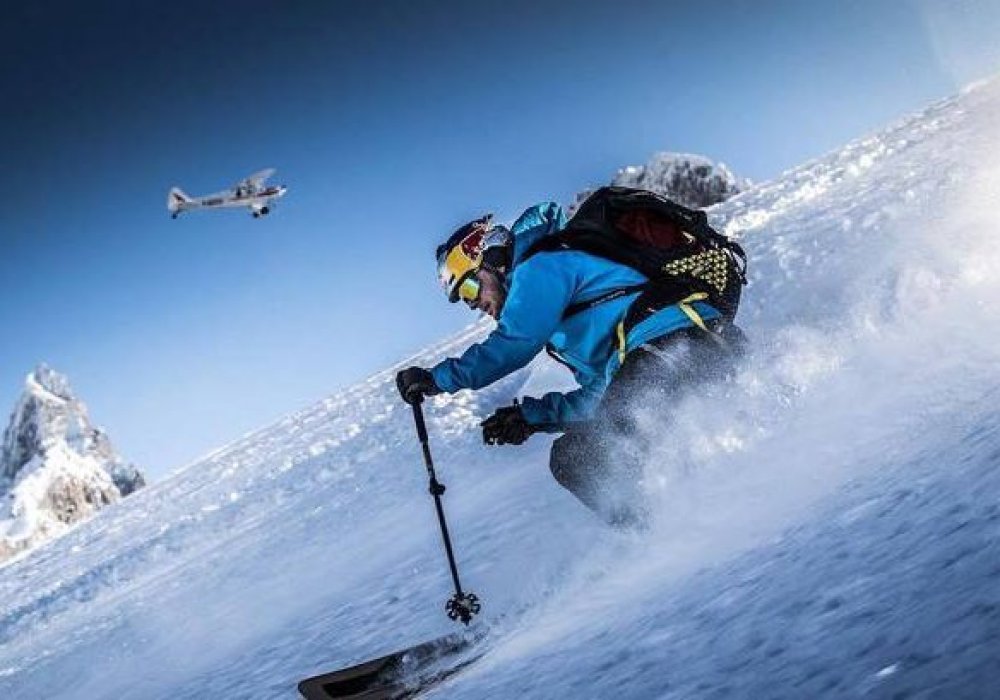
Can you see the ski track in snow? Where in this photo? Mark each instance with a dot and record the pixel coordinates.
(828, 525)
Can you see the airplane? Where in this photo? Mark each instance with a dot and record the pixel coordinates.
(250, 192)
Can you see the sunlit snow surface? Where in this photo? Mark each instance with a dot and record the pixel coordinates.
(828, 525)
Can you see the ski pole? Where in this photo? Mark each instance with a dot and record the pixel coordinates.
(461, 606)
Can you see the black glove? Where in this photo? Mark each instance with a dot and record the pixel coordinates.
(506, 427)
(415, 383)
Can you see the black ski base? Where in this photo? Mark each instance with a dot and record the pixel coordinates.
(401, 674)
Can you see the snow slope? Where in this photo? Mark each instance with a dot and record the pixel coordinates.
(828, 525)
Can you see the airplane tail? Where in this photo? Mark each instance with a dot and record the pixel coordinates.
(175, 198)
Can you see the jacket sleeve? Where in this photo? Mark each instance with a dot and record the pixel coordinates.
(553, 412)
(540, 290)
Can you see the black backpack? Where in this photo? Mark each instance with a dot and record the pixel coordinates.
(672, 245)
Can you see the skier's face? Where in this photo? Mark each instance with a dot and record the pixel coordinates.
(491, 294)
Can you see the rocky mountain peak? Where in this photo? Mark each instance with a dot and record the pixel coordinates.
(56, 468)
(48, 380)
(692, 180)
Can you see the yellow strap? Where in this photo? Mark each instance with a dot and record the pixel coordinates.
(621, 342)
(684, 305)
(689, 311)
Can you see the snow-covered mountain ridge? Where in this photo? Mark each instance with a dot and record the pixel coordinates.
(827, 524)
(56, 469)
(692, 180)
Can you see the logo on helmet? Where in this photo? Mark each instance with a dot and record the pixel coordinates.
(472, 245)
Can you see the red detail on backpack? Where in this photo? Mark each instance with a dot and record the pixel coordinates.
(651, 229)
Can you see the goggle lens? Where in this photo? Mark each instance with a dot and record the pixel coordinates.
(468, 290)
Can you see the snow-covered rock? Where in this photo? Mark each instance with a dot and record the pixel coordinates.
(692, 180)
(56, 469)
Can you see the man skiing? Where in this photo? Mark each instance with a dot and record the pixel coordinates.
(582, 308)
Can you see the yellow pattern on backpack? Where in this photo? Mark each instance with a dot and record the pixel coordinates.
(710, 266)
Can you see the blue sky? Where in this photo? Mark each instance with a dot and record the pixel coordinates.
(391, 122)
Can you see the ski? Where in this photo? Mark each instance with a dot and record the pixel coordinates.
(401, 674)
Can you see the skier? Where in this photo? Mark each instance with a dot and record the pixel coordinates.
(582, 309)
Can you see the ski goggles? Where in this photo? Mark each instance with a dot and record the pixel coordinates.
(463, 287)
(468, 290)
(458, 266)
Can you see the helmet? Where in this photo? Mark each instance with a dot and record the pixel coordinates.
(477, 245)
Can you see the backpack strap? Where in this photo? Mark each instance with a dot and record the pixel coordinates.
(581, 306)
(560, 241)
(689, 311)
(550, 349)
(685, 305)
(547, 244)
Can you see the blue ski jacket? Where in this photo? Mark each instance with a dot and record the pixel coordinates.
(539, 291)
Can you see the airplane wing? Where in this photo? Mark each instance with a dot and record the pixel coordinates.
(253, 182)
